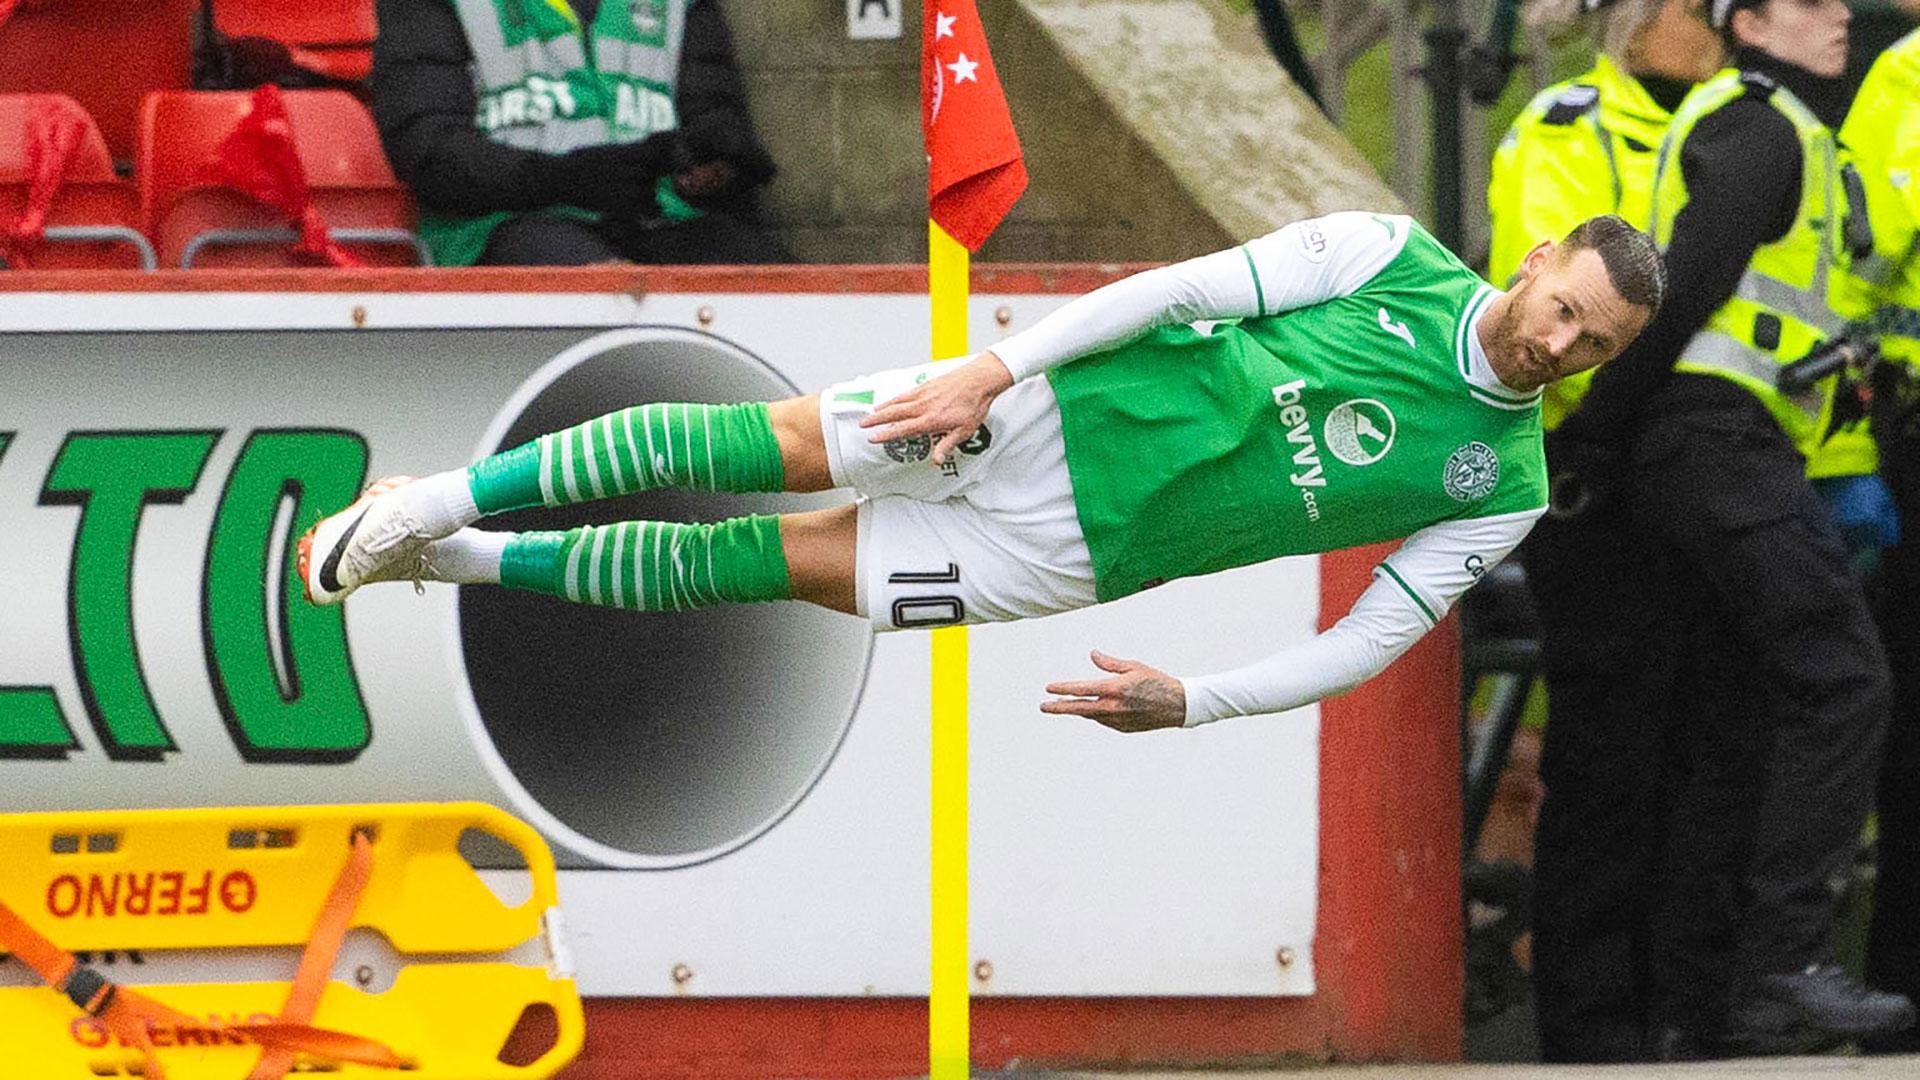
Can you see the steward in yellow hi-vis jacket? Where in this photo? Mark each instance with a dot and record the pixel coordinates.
(1581, 147)
(1623, 947)
(1883, 133)
(1689, 434)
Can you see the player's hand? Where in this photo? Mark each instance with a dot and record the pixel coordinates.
(1137, 698)
(951, 407)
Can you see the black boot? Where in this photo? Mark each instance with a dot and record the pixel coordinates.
(1805, 1012)
(1668, 1042)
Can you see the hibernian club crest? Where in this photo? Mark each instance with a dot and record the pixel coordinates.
(909, 448)
(1472, 472)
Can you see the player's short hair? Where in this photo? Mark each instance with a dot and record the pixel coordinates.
(1634, 267)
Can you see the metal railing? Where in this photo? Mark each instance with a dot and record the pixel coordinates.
(98, 234)
(282, 236)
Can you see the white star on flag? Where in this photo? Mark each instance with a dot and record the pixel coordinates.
(963, 70)
(943, 25)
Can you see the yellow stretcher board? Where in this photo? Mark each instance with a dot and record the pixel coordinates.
(207, 911)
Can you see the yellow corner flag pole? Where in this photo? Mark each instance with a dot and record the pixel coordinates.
(947, 1045)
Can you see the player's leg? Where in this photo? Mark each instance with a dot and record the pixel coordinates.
(698, 447)
(667, 566)
(902, 563)
(798, 432)
(753, 446)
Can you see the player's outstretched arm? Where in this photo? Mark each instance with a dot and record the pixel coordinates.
(1299, 265)
(1137, 698)
(1411, 592)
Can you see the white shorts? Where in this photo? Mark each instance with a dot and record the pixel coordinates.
(990, 536)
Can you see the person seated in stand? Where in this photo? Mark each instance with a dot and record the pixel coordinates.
(552, 133)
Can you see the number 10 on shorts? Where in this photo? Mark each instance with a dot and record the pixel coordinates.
(922, 612)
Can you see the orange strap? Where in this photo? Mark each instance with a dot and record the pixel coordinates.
(291, 1033)
(46, 959)
(127, 1015)
(130, 1017)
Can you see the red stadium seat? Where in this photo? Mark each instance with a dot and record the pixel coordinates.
(105, 54)
(199, 223)
(332, 37)
(94, 220)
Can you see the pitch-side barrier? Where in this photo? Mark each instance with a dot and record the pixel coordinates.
(737, 799)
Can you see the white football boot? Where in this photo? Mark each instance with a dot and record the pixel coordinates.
(374, 539)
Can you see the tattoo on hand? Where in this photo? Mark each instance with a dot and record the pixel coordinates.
(1159, 694)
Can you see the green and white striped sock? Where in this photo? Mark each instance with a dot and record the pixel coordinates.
(653, 565)
(683, 445)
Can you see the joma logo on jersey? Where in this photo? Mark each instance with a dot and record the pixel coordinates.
(1396, 328)
(1309, 473)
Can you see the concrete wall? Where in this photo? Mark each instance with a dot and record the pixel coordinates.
(1153, 130)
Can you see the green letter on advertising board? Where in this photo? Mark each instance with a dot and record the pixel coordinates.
(112, 476)
(32, 724)
(280, 667)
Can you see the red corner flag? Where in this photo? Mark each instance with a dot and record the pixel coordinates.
(974, 171)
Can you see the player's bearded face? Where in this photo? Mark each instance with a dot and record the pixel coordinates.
(1564, 317)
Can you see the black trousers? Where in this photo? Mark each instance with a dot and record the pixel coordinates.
(1697, 806)
(1893, 944)
(1636, 850)
(1724, 491)
(544, 239)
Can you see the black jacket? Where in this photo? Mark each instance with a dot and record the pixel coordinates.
(424, 103)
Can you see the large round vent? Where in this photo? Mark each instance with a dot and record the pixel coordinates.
(653, 740)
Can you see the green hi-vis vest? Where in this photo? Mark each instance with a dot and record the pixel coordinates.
(547, 83)
(1788, 300)
(1579, 149)
(1883, 133)
(1348, 422)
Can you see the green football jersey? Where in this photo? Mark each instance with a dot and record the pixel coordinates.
(1343, 423)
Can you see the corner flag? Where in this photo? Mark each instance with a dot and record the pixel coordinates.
(974, 171)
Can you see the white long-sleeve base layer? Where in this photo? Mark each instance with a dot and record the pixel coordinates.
(1302, 264)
